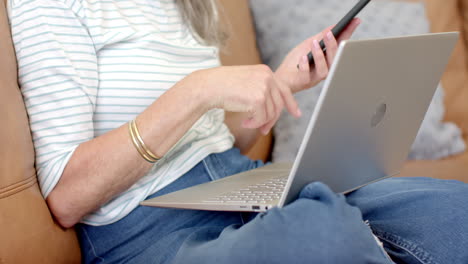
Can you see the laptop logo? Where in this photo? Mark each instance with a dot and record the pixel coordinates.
(379, 114)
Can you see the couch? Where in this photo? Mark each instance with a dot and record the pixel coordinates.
(28, 232)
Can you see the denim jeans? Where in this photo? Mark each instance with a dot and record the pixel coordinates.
(419, 220)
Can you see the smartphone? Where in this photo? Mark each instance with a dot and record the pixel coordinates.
(340, 27)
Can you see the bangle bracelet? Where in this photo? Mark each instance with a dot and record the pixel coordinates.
(140, 140)
(138, 146)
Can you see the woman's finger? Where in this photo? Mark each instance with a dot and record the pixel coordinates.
(304, 64)
(277, 100)
(276, 94)
(264, 110)
(265, 129)
(289, 101)
(279, 105)
(329, 28)
(257, 119)
(321, 65)
(332, 46)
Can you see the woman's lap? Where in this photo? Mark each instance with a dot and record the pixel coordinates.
(418, 219)
(322, 226)
(319, 227)
(158, 229)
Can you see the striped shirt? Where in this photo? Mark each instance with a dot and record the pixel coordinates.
(89, 66)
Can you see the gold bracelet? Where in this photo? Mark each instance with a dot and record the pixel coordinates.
(140, 140)
(137, 145)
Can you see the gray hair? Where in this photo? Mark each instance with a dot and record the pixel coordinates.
(202, 17)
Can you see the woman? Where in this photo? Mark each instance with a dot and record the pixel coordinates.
(126, 101)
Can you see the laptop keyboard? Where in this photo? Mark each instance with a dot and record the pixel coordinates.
(260, 193)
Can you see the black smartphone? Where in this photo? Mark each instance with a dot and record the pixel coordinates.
(340, 27)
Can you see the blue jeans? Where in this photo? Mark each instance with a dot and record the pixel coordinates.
(419, 220)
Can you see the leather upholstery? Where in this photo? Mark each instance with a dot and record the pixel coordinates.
(28, 233)
(449, 15)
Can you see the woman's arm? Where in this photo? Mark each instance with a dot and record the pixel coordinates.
(107, 165)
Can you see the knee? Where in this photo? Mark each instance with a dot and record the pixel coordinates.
(320, 227)
(420, 212)
(432, 195)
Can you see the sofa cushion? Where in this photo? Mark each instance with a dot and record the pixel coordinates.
(449, 15)
(452, 15)
(28, 231)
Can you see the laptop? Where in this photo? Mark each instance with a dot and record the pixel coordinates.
(366, 119)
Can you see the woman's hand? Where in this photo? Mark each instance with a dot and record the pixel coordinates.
(254, 90)
(305, 77)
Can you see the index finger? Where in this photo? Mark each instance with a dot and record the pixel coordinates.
(289, 100)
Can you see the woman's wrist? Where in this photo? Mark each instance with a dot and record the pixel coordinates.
(285, 77)
(199, 84)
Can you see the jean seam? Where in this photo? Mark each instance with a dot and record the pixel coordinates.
(414, 249)
(91, 245)
(379, 242)
(242, 218)
(208, 170)
(212, 168)
(220, 164)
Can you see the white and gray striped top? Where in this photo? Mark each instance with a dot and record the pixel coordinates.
(89, 66)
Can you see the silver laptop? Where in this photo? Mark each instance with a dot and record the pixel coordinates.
(366, 119)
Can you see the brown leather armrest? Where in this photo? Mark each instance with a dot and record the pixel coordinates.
(449, 15)
(28, 233)
(453, 168)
